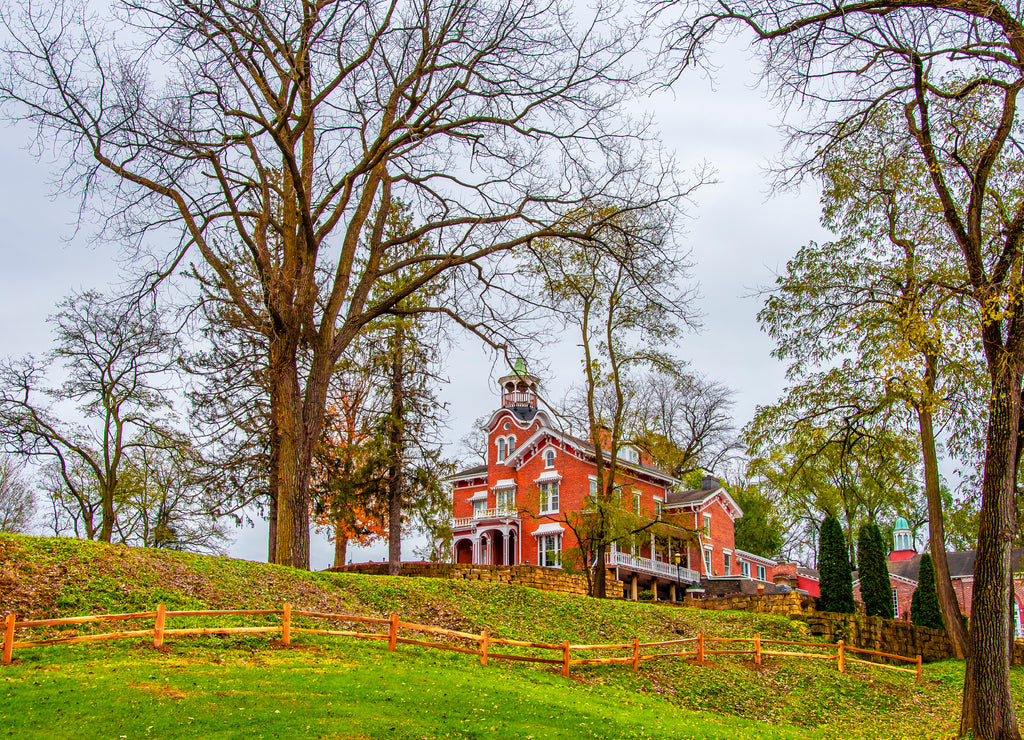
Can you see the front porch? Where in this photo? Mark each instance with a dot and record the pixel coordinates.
(490, 537)
(648, 574)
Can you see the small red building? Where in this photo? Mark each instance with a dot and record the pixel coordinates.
(513, 509)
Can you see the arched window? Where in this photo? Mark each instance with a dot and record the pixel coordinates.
(549, 459)
(511, 444)
(501, 449)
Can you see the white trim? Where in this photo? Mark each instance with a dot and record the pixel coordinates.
(755, 558)
(547, 476)
(504, 483)
(478, 496)
(548, 528)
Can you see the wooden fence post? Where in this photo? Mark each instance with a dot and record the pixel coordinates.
(841, 657)
(636, 653)
(920, 669)
(158, 627)
(483, 648)
(565, 658)
(286, 624)
(757, 649)
(393, 633)
(8, 639)
(700, 647)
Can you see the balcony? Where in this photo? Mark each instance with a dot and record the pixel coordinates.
(668, 571)
(504, 513)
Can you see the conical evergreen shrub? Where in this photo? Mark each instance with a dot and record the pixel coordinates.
(834, 569)
(875, 590)
(924, 608)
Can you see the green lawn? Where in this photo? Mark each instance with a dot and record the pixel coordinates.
(344, 688)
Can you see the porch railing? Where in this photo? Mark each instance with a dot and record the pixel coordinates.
(648, 565)
(498, 512)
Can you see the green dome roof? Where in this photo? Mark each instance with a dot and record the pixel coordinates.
(901, 523)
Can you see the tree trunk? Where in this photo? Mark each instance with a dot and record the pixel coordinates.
(600, 583)
(293, 460)
(395, 443)
(988, 711)
(107, 522)
(948, 604)
(274, 464)
(340, 544)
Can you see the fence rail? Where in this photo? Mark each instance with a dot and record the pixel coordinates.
(483, 640)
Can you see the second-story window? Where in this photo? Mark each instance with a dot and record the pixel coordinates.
(636, 504)
(745, 568)
(505, 500)
(707, 562)
(762, 574)
(501, 449)
(549, 459)
(728, 564)
(549, 497)
(479, 507)
(510, 445)
(707, 525)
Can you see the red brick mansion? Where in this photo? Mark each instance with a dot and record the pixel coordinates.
(512, 510)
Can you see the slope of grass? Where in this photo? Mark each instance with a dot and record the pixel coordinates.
(333, 687)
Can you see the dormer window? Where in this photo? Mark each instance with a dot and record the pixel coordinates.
(629, 454)
(549, 458)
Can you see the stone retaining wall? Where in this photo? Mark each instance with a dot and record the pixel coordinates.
(791, 605)
(885, 635)
(533, 576)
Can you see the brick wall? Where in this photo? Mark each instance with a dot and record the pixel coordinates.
(545, 579)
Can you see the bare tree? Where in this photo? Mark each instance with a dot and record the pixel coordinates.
(687, 422)
(955, 69)
(17, 504)
(116, 359)
(288, 129)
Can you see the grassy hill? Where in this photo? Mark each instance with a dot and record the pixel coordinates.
(343, 688)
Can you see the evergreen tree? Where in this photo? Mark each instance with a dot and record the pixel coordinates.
(834, 569)
(874, 575)
(924, 608)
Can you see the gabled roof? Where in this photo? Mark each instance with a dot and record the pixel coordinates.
(477, 471)
(523, 416)
(699, 497)
(536, 441)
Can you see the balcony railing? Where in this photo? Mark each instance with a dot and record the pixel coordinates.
(655, 567)
(499, 512)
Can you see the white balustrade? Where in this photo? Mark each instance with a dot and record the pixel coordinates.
(646, 565)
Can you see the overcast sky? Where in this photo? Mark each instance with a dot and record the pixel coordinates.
(739, 233)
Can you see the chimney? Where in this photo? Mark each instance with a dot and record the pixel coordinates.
(709, 483)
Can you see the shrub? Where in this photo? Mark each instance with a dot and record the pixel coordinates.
(924, 607)
(875, 590)
(834, 569)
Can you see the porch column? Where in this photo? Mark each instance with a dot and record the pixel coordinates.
(504, 549)
(672, 592)
(632, 589)
(654, 588)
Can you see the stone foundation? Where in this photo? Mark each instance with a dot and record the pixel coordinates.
(532, 576)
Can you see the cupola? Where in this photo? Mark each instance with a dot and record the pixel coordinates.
(519, 388)
(902, 541)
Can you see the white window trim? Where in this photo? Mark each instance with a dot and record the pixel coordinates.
(478, 496)
(548, 476)
(551, 453)
(543, 502)
(708, 554)
(762, 569)
(744, 569)
(541, 551)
